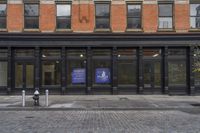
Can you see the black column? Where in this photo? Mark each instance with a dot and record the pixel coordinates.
(191, 86)
(63, 75)
(140, 70)
(114, 71)
(165, 71)
(9, 87)
(37, 68)
(89, 71)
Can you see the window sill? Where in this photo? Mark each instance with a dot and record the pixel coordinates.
(31, 30)
(63, 30)
(3, 30)
(134, 30)
(102, 30)
(194, 30)
(166, 30)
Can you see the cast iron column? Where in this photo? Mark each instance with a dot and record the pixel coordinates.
(9, 87)
(165, 72)
(191, 86)
(140, 70)
(89, 69)
(114, 71)
(37, 68)
(63, 60)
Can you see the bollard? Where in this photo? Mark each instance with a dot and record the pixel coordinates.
(47, 98)
(23, 98)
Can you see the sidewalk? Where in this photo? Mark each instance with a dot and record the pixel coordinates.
(103, 102)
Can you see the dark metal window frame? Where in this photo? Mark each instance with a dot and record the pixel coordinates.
(27, 16)
(4, 16)
(172, 17)
(67, 17)
(127, 17)
(105, 17)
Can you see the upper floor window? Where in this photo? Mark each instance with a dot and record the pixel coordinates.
(102, 16)
(134, 16)
(195, 16)
(165, 16)
(63, 17)
(31, 16)
(2, 16)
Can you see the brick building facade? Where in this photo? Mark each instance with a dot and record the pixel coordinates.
(99, 47)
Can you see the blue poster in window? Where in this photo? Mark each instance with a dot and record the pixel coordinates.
(78, 75)
(102, 75)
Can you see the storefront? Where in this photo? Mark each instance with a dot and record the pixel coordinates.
(98, 63)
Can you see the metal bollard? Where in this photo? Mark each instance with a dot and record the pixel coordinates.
(47, 98)
(23, 98)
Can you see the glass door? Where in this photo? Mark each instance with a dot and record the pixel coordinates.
(24, 75)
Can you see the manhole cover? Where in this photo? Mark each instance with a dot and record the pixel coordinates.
(29, 117)
(123, 98)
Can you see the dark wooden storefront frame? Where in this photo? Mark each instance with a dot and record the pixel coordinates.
(107, 40)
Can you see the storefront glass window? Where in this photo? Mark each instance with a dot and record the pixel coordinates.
(3, 73)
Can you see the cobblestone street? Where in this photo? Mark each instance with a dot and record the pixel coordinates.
(147, 121)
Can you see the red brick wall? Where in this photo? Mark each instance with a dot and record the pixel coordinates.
(150, 17)
(118, 17)
(15, 18)
(181, 16)
(83, 17)
(47, 17)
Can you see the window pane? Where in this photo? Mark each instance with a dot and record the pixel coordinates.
(177, 72)
(18, 75)
(177, 52)
(76, 72)
(51, 53)
(102, 10)
(194, 9)
(29, 76)
(127, 72)
(157, 74)
(24, 52)
(63, 23)
(165, 22)
(31, 22)
(31, 10)
(197, 78)
(3, 73)
(76, 53)
(2, 9)
(134, 23)
(63, 10)
(165, 10)
(3, 53)
(2, 22)
(134, 10)
(101, 52)
(126, 53)
(51, 72)
(152, 53)
(194, 22)
(102, 23)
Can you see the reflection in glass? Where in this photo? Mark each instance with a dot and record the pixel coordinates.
(63, 16)
(51, 72)
(31, 16)
(3, 53)
(79, 53)
(126, 53)
(101, 52)
(177, 72)
(195, 15)
(134, 16)
(165, 16)
(24, 52)
(127, 72)
(2, 16)
(103, 16)
(51, 53)
(18, 75)
(152, 53)
(3, 73)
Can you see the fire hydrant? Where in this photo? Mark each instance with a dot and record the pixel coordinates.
(36, 98)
